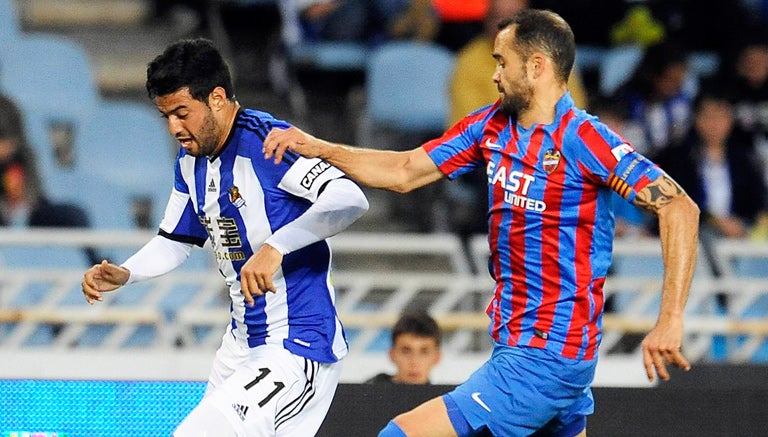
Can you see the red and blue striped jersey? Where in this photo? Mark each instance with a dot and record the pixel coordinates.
(550, 218)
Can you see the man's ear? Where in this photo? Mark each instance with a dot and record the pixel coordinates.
(537, 63)
(217, 98)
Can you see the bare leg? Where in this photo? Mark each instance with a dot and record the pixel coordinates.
(429, 419)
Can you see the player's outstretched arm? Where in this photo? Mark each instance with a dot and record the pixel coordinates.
(103, 277)
(679, 228)
(390, 170)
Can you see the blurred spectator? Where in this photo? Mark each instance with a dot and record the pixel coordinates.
(747, 80)
(22, 198)
(657, 98)
(460, 21)
(719, 171)
(638, 26)
(583, 14)
(350, 20)
(187, 18)
(418, 22)
(415, 350)
(702, 25)
(631, 221)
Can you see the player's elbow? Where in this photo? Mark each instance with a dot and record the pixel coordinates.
(682, 207)
(358, 204)
(403, 187)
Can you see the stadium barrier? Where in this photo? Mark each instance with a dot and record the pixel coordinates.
(376, 276)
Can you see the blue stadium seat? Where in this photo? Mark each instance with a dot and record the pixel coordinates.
(407, 86)
(9, 21)
(127, 144)
(48, 74)
(51, 79)
(329, 56)
(703, 63)
(617, 66)
(107, 204)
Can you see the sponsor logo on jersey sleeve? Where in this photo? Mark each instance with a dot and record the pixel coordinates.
(314, 173)
(621, 151)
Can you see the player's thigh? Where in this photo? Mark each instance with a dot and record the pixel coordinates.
(302, 416)
(273, 392)
(229, 357)
(429, 419)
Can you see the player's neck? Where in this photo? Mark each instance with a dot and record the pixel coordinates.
(229, 115)
(543, 107)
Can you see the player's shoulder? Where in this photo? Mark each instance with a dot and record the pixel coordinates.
(258, 123)
(587, 128)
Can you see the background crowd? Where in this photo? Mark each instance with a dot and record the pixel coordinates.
(694, 98)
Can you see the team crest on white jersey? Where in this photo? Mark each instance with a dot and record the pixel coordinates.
(551, 160)
(235, 197)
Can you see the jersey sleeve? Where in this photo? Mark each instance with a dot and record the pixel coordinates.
(458, 151)
(307, 177)
(180, 221)
(608, 159)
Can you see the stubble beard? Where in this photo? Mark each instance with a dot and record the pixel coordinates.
(208, 137)
(514, 103)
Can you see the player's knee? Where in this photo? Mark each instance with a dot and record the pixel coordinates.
(392, 430)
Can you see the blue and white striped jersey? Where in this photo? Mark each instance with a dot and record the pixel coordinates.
(238, 200)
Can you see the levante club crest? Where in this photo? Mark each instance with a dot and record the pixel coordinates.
(551, 160)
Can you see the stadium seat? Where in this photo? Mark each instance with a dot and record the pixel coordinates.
(9, 21)
(49, 74)
(127, 144)
(51, 79)
(617, 66)
(703, 63)
(108, 204)
(407, 86)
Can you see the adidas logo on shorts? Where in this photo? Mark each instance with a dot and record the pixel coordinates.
(240, 410)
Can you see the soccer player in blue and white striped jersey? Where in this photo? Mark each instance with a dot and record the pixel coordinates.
(278, 366)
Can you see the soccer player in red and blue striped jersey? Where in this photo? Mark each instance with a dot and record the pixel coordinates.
(551, 168)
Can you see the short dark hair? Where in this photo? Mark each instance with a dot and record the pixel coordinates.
(546, 31)
(418, 323)
(191, 63)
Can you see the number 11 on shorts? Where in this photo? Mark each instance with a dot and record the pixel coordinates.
(263, 372)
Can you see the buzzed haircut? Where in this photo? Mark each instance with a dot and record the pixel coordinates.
(545, 31)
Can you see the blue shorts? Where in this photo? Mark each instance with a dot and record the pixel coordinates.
(522, 391)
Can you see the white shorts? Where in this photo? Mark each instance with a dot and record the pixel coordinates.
(262, 391)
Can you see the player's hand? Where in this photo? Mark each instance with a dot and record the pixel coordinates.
(662, 346)
(294, 139)
(256, 274)
(103, 277)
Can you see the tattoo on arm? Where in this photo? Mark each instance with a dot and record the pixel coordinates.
(658, 193)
